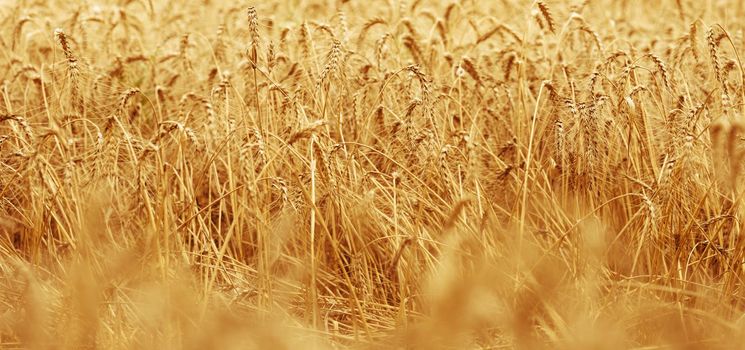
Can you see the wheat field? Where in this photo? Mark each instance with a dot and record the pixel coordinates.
(387, 174)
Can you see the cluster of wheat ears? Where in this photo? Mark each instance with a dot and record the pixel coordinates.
(324, 174)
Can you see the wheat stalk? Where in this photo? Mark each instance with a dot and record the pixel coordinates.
(545, 12)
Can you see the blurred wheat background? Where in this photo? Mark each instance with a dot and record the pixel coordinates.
(411, 174)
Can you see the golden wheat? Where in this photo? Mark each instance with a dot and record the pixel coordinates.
(413, 174)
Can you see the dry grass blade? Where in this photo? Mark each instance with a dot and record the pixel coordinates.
(306, 131)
